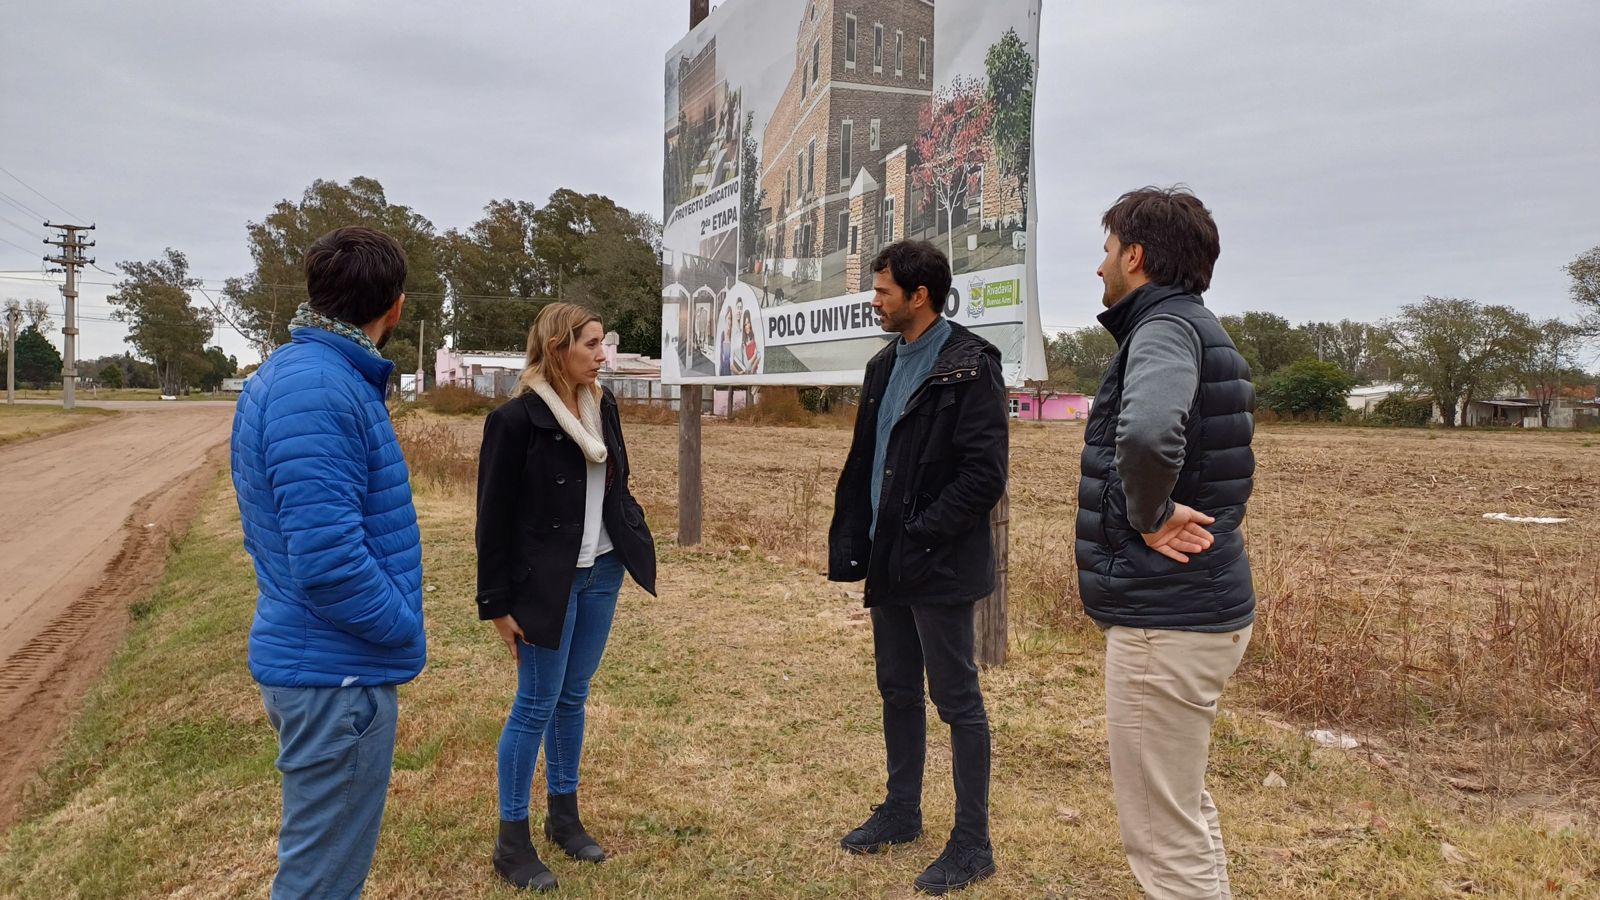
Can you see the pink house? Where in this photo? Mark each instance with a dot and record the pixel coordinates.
(1049, 407)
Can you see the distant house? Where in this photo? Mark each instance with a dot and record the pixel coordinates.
(234, 385)
(492, 373)
(1049, 407)
(1506, 408)
(632, 377)
(1366, 397)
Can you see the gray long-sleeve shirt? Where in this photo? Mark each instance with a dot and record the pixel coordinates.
(1158, 387)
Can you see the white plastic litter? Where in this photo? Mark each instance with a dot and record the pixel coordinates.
(1526, 520)
(1333, 739)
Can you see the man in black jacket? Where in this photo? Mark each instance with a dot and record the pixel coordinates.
(927, 465)
(1167, 472)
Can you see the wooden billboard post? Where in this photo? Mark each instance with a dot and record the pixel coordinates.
(689, 485)
(991, 610)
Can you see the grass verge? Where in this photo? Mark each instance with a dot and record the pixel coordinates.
(20, 423)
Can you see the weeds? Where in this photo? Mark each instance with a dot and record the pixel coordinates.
(455, 400)
(1517, 675)
(783, 406)
(437, 454)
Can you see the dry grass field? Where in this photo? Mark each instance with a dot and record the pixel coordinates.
(734, 729)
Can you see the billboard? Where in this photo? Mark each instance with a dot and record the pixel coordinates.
(803, 136)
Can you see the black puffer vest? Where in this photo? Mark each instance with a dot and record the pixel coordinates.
(1121, 580)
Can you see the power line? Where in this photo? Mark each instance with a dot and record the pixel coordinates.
(42, 196)
(22, 206)
(24, 250)
(22, 228)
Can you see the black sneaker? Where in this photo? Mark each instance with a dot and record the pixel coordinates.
(887, 825)
(957, 867)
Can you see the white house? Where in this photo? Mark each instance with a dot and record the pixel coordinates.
(1363, 399)
(492, 373)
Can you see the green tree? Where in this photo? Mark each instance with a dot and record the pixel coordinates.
(265, 300)
(110, 375)
(38, 361)
(1011, 77)
(1078, 359)
(1548, 363)
(1459, 350)
(1267, 341)
(134, 373)
(218, 366)
(592, 251)
(1403, 410)
(1309, 389)
(163, 325)
(1359, 348)
(752, 236)
(1585, 274)
(491, 261)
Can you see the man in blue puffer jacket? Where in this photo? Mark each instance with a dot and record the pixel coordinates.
(325, 502)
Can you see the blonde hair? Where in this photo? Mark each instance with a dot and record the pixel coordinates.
(554, 330)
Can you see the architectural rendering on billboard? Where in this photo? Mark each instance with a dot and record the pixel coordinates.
(801, 138)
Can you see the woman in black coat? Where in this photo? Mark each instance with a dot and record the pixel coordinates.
(557, 529)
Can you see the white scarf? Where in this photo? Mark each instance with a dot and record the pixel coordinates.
(587, 434)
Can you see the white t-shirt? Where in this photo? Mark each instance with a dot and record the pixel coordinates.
(596, 543)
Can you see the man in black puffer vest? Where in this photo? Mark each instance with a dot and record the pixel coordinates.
(1167, 472)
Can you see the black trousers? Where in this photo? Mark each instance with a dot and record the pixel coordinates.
(908, 640)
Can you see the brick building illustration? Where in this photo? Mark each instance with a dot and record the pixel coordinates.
(863, 74)
(837, 154)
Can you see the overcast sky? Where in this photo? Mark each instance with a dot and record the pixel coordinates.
(1357, 154)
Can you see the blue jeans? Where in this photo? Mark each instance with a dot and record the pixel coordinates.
(335, 750)
(552, 687)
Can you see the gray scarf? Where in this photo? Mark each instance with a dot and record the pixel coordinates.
(306, 317)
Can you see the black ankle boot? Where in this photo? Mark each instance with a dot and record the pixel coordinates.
(562, 827)
(517, 862)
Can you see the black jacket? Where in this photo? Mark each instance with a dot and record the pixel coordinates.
(531, 499)
(1121, 580)
(944, 471)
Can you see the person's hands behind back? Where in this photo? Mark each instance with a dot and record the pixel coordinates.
(1183, 533)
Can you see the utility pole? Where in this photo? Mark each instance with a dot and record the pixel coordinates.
(422, 337)
(72, 246)
(13, 325)
(689, 482)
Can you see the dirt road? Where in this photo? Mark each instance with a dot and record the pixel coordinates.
(88, 518)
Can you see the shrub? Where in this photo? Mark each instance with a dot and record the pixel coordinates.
(1401, 410)
(437, 454)
(638, 413)
(454, 400)
(797, 407)
(1308, 389)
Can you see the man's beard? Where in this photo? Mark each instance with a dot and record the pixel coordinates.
(383, 339)
(895, 323)
(1116, 289)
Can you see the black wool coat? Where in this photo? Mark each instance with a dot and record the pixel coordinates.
(945, 469)
(531, 498)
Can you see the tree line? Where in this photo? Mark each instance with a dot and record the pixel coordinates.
(1447, 350)
(478, 287)
(39, 363)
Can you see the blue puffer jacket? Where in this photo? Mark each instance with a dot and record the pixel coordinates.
(325, 500)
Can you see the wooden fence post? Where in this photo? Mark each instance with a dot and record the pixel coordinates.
(991, 611)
